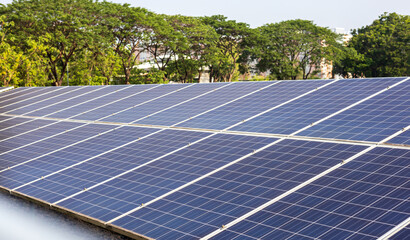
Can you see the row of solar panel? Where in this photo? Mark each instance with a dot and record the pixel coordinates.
(263, 107)
(105, 171)
(87, 146)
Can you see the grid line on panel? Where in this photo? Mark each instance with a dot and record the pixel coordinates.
(103, 100)
(214, 100)
(188, 100)
(400, 232)
(60, 91)
(26, 95)
(12, 94)
(245, 108)
(106, 118)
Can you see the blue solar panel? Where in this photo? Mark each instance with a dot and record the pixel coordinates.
(315, 106)
(163, 175)
(202, 104)
(403, 234)
(40, 97)
(362, 199)
(133, 100)
(372, 120)
(22, 95)
(161, 103)
(75, 91)
(7, 136)
(48, 162)
(116, 94)
(249, 106)
(403, 138)
(99, 169)
(93, 92)
(12, 93)
(216, 200)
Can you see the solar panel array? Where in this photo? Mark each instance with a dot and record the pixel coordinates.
(317, 159)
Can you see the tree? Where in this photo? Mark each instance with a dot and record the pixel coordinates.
(192, 47)
(66, 24)
(292, 48)
(384, 45)
(229, 46)
(130, 29)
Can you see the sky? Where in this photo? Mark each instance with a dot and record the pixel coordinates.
(348, 14)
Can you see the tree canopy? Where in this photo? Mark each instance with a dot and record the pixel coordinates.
(79, 42)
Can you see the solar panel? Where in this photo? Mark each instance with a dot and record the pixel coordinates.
(313, 107)
(251, 105)
(130, 101)
(372, 120)
(220, 198)
(363, 199)
(192, 161)
(137, 112)
(128, 191)
(403, 138)
(205, 103)
(402, 235)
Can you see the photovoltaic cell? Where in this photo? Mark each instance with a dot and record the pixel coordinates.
(47, 162)
(403, 138)
(163, 175)
(128, 102)
(7, 136)
(362, 199)
(372, 120)
(22, 95)
(315, 106)
(41, 97)
(403, 234)
(226, 195)
(202, 104)
(90, 94)
(75, 91)
(251, 105)
(117, 94)
(143, 110)
(11, 93)
(97, 170)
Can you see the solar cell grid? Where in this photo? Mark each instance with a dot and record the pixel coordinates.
(315, 106)
(130, 101)
(23, 95)
(5, 95)
(251, 105)
(403, 138)
(93, 92)
(159, 104)
(40, 97)
(202, 104)
(114, 95)
(161, 176)
(75, 91)
(220, 198)
(362, 199)
(97, 170)
(7, 135)
(403, 234)
(372, 120)
(49, 155)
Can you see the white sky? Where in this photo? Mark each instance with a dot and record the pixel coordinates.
(348, 14)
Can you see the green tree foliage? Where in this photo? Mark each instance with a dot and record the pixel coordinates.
(100, 42)
(380, 49)
(292, 48)
(229, 46)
